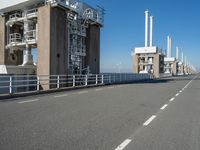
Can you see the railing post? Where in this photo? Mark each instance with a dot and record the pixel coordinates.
(74, 80)
(10, 85)
(38, 83)
(109, 79)
(86, 80)
(102, 79)
(58, 82)
(96, 79)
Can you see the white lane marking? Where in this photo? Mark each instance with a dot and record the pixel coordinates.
(111, 87)
(58, 96)
(149, 120)
(99, 89)
(162, 108)
(172, 99)
(123, 144)
(82, 92)
(28, 101)
(177, 94)
(180, 91)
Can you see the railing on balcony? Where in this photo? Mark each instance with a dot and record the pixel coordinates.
(87, 12)
(15, 38)
(15, 16)
(31, 35)
(31, 12)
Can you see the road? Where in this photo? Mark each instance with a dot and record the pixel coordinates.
(161, 115)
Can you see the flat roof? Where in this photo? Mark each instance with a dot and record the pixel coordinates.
(145, 50)
(11, 5)
(170, 59)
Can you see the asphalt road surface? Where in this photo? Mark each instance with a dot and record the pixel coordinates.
(160, 115)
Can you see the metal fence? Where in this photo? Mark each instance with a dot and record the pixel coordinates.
(10, 84)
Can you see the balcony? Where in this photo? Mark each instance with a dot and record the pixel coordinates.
(20, 16)
(31, 36)
(15, 38)
(15, 16)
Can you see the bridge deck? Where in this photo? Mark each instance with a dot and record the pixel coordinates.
(157, 115)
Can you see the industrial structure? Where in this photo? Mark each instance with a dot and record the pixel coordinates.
(180, 62)
(149, 59)
(66, 34)
(171, 63)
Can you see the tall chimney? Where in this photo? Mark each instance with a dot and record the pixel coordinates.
(146, 27)
(151, 31)
(185, 61)
(168, 46)
(177, 53)
(182, 58)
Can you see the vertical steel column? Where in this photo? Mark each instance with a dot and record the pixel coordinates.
(96, 79)
(86, 80)
(74, 81)
(38, 83)
(102, 79)
(58, 82)
(10, 85)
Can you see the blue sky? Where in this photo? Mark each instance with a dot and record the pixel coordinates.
(124, 29)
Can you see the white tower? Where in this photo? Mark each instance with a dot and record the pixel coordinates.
(146, 27)
(177, 53)
(169, 47)
(151, 31)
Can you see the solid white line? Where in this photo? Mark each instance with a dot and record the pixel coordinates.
(99, 89)
(58, 96)
(162, 108)
(177, 94)
(83, 92)
(172, 99)
(28, 101)
(124, 144)
(149, 120)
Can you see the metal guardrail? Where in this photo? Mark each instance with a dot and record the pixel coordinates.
(10, 84)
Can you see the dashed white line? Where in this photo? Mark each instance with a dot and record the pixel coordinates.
(149, 120)
(82, 92)
(28, 101)
(172, 99)
(180, 91)
(99, 89)
(123, 144)
(162, 108)
(58, 96)
(177, 94)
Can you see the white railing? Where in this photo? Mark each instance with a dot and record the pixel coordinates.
(15, 16)
(28, 83)
(15, 38)
(31, 35)
(31, 12)
(86, 11)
